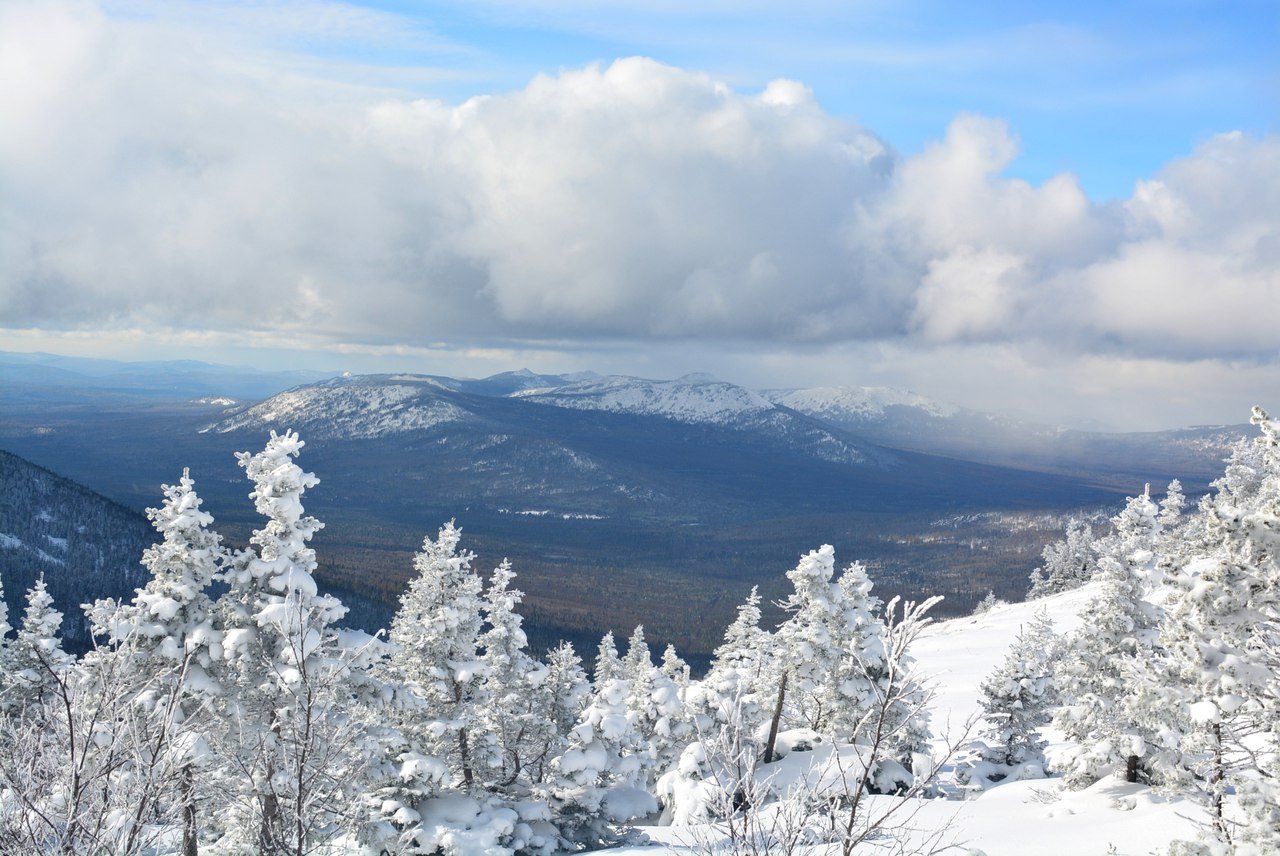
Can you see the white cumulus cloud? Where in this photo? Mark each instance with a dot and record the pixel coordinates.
(163, 177)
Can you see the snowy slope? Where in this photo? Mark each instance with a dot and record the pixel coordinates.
(957, 654)
(839, 403)
(700, 399)
(693, 398)
(1030, 818)
(353, 408)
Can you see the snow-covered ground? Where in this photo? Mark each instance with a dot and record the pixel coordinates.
(1020, 818)
(866, 402)
(698, 399)
(957, 654)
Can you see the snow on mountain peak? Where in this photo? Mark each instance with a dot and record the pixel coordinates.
(862, 401)
(699, 399)
(365, 408)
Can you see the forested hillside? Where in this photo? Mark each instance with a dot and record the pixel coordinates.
(84, 544)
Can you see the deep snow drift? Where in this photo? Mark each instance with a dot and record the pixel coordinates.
(1018, 818)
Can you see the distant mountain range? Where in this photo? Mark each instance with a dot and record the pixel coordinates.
(836, 424)
(617, 498)
(26, 377)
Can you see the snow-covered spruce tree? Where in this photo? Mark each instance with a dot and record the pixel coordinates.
(447, 768)
(656, 708)
(608, 665)
(674, 667)
(1223, 649)
(79, 771)
(166, 648)
(518, 710)
(736, 687)
(600, 776)
(1068, 564)
(808, 645)
(569, 688)
(1016, 702)
(37, 663)
(1120, 631)
(292, 750)
(832, 667)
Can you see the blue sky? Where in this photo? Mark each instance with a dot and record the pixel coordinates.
(1067, 210)
(1108, 91)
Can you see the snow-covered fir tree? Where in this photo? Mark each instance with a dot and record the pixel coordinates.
(858, 635)
(36, 660)
(736, 686)
(435, 636)
(568, 686)
(662, 718)
(167, 646)
(1098, 709)
(835, 671)
(608, 665)
(1017, 699)
(1222, 660)
(600, 776)
(291, 746)
(518, 704)
(435, 661)
(988, 603)
(807, 646)
(655, 708)
(459, 760)
(674, 667)
(1068, 564)
(1172, 506)
(637, 665)
(746, 644)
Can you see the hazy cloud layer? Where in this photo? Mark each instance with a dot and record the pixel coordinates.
(157, 177)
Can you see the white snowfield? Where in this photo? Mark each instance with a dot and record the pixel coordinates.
(860, 401)
(361, 411)
(1028, 818)
(699, 399)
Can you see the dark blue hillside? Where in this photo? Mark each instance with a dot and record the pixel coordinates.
(86, 545)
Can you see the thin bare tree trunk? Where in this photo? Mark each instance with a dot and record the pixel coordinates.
(777, 717)
(190, 837)
(1215, 783)
(268, 833)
